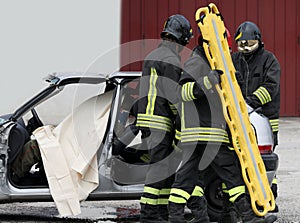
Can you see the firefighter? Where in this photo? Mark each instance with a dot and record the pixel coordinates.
(259, 77)
(205, 141)
(156, 114)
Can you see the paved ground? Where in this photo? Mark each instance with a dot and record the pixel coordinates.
(289, 170)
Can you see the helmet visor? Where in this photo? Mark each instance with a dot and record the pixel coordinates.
(247, 46)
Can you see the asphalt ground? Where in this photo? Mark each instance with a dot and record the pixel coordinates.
(289, 170)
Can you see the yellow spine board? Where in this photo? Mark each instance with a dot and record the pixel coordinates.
(235, 110)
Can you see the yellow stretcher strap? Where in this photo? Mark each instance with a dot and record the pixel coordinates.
(235, 112)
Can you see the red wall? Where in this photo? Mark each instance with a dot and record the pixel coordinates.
(278, 20)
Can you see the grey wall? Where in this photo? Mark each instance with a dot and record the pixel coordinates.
(41, 37)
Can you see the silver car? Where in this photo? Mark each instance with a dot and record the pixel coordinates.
(120, 176)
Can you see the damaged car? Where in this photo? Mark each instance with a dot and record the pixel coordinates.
(119, 175)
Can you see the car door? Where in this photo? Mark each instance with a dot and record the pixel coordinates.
(16, 128)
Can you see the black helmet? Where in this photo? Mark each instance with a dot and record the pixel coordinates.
(179, 28)
(247, 31)
(248, 38)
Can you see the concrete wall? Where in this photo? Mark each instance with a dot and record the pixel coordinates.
(41, 37)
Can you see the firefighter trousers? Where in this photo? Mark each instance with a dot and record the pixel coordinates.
(159, 178)
(224, 163)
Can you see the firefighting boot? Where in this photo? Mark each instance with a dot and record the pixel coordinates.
(244, 210)
(149, 214)
(176, 212)
(228, 214)
(163, 213)
(198, 207)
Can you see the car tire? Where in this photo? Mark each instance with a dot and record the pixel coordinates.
(213, 194)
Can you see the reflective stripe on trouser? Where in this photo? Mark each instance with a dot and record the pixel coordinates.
(235, 192)
(274, 181)
(274, 124)
(198, 191)
(153, 196)
(274, 187)
(179, 196)
(193, 201)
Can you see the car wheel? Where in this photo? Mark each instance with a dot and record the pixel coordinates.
(213, 194)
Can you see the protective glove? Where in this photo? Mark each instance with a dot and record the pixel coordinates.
(214, 76)
(121, 142)
(208, 82)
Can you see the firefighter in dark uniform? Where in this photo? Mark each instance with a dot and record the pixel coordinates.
(259, 77)
(203, 136)
(156, 114)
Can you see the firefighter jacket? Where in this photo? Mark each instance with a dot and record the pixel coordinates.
(160, 75)
(259, 80)
(201, 113)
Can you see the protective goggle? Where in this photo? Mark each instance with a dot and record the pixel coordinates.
(247, 46)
